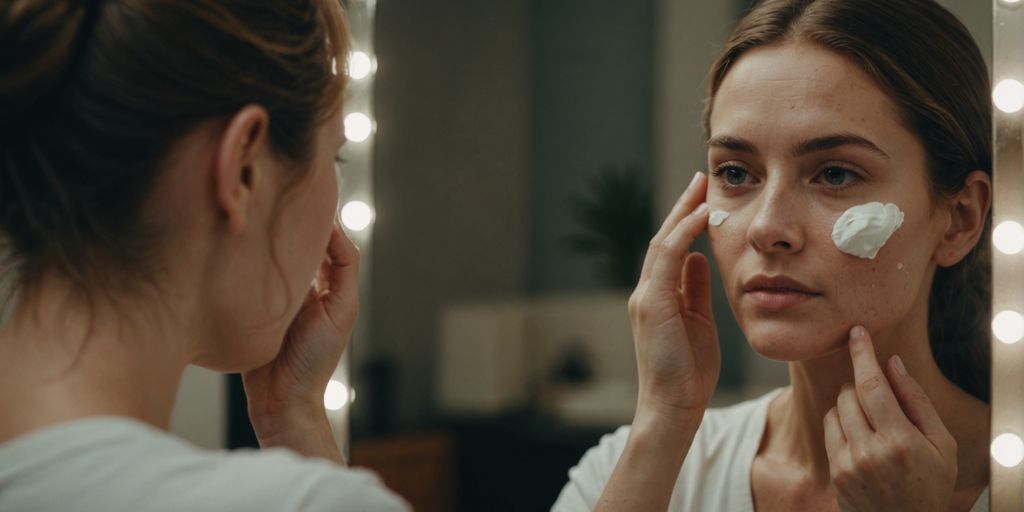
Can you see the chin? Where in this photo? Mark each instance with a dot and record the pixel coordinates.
(786, 342)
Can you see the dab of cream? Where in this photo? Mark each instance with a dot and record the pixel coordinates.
(717, 217)
(862, 230)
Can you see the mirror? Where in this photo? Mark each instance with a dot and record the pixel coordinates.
(524, 153)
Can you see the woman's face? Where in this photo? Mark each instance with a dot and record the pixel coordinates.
(799, 135)
(307, 214)
(285, 251)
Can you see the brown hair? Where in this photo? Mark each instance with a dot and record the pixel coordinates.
(94, 94)
(934, 73)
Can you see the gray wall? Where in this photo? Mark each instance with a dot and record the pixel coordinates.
(450, 174)
(591, 106)
(489, 115)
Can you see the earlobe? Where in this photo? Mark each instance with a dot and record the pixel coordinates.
(236, 165)
(968, 214)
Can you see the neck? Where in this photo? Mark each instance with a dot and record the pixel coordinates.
(796, 431)
(64, 358)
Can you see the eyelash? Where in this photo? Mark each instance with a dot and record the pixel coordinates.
(855, 178)
(339, 161)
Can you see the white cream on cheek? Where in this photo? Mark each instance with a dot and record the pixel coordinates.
(863, 229)
(717, 217)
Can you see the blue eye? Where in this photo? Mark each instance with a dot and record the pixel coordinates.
(732, 176)
(735, 176)
(838, 177)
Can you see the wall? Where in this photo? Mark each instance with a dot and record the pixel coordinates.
(591, 107)
(450, 175)
(200, 409)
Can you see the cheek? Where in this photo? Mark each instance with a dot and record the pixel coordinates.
(727, 244)
(880, 292)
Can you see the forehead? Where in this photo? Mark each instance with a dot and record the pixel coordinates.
(801, 89)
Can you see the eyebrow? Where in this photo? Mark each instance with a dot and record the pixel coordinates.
(814, 145)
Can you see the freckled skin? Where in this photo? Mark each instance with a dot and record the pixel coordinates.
(783, 212)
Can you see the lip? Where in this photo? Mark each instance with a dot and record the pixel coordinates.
(777, 292)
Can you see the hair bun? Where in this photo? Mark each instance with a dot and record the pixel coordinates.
(37, 42)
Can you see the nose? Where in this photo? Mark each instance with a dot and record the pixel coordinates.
(777, 226)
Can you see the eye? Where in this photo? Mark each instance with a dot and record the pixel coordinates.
(838, 178)
(730, 175)
(338, 160)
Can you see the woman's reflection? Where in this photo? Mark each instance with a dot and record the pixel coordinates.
(850, 160)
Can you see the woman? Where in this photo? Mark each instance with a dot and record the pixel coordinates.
(822, 114)
(165, 201)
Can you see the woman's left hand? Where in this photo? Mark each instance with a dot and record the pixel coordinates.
(286, 395)
(887, 447)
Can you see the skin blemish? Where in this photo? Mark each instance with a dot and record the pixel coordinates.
(899, 266)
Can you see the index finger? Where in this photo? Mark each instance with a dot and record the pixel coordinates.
(692, 197)
(873, 390)
(342, 261)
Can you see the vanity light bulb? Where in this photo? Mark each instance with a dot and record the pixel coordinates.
(1008, 96)
(358, 127)
(1008, 450)
(336, 395)
(1011, 2)
(360, 65)
(1008, 326)
(356, 215)
(1008, 237)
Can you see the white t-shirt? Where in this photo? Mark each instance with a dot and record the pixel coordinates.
(715, 476)
(110, 464)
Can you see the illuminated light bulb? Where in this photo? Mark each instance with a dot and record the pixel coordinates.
(1011, 2)
(1008, 96)
(358, 127)
(1008, 237)
(336, 395)
(360, 65)
(356, 215)
(1008, 326)
(1008, 450)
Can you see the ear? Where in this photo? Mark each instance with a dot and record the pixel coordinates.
(968, 211)
(237, 162)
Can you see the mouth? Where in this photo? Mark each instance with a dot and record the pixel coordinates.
(777, 292)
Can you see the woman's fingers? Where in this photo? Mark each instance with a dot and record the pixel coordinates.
(919, 408)
(692, 197)
(835, 438)
(851, 415)
(697, 286)
(342, 276)
(876, 397)
(666, 274)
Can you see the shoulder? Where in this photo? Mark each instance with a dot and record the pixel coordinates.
(108, 464)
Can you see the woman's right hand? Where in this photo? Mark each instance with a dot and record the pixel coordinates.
(674, 330)
(677, 357)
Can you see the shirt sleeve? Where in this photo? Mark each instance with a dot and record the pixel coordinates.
(588, 478)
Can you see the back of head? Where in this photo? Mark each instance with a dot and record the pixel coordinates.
(94, 94)
(932, 70)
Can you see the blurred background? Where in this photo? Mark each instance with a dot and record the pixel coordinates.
(516, 157)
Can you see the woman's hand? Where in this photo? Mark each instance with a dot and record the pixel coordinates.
(674, 331)
(887, 446)
(677, 357)
(286, 395)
